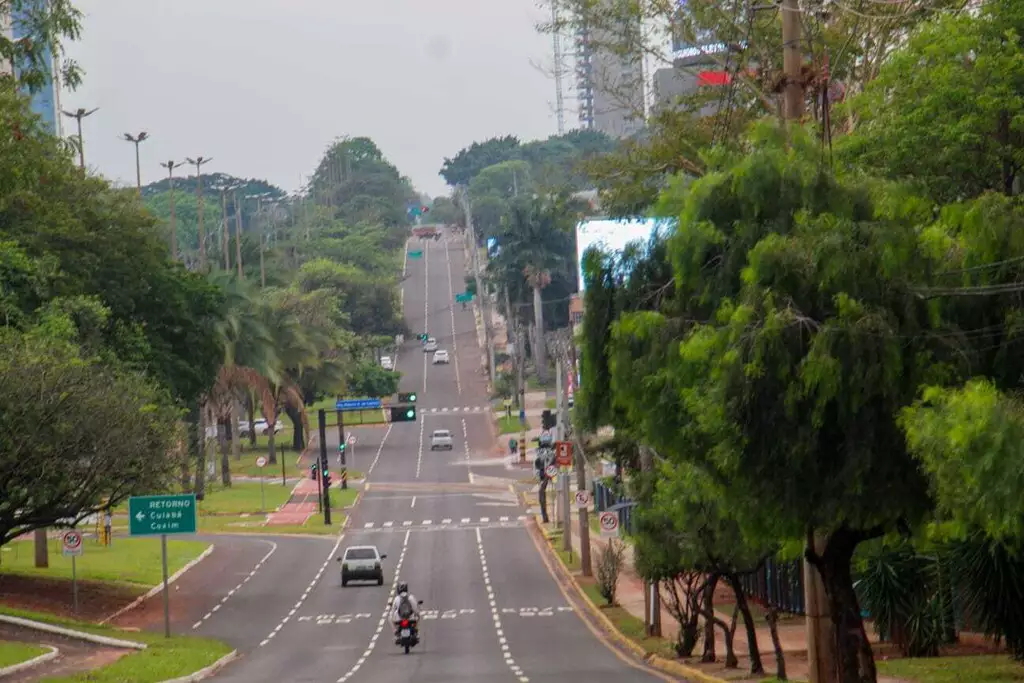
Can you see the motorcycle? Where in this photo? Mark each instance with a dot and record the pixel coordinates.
(408, 634)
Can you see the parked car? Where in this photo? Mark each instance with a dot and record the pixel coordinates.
(431, 345)
(387, 363)
(441, 440)
(440, 357)
(362, 563)
(261, 427)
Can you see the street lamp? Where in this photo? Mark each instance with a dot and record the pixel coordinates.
(170, 166)
(136, 139)
(78, 115)
(198, 163)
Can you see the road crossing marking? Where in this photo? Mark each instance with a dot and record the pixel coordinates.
(428, 522)
(369, 526)
(387, 525)
(443, 521)
(433, 614)
(502, 642)
(273, 547)
(456, 409)
(383, 617)
(305, 594)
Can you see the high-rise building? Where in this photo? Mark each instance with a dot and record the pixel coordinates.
(46, 102)
(610, 86)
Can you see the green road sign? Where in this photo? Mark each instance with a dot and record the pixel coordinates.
(464, 297)
(416, 254)
(156, 515)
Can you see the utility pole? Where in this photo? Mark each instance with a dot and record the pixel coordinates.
(170, 165)
(198, 162)
(322, 465)
(238, 235)
(78, 115)
(263, 270)
(586, 564)
(225, 244)
(136, 139)
(485, 307)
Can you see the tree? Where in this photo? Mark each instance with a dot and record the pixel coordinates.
(77, 434)
(505, 180)
(368, 378)
(461, 169)
(35, 45)
(444, 210)
(944, 110)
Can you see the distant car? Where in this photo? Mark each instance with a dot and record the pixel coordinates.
(261, 427)
(362, 563)
(440, 356)
(441, 440)
(387, 363)
(431, 345)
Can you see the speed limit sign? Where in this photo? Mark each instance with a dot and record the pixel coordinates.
(261, 461)
(551, 471)
(609, 522)
(72, 543)
(582, 499)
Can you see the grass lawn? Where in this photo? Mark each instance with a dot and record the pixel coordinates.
(246, 466)
(353, 418)
(510, 425)
(163, 659)
(16, 653)
(133, 561)
(978, 669)
(255, 523)
(551, 403)
(626, 624)
(244, 496)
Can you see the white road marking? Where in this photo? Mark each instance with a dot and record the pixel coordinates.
(384, 616)
(494, 610)
(446, 521)
(305, 594)
(451, 309)
(273, 548)
(368, 525)
(465, 438)
(387, 525)
(419, 457)
(413, 503)
(407, 523)
(379, 449)
(428, 522)
(426, 314)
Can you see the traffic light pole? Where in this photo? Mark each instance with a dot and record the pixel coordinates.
(325, 486)
(341, 449)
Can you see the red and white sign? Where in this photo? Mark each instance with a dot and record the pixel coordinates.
(563, 453)
(583, 499)
(609, 522)
(72, 542)
(551, 471)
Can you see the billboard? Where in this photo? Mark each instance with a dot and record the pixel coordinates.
(613, 235)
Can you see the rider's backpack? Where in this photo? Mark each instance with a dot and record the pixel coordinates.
(405, 607)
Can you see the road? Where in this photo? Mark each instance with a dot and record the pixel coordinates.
(492, 610)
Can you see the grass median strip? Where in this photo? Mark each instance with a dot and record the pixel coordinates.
(132, 561)
(244, 497)
(510, 425)
(163, 659)
(12, 653)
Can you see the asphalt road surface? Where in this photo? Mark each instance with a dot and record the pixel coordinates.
(492, 611)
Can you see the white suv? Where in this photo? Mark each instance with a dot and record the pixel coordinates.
(440, 440)
(387, 363)
(440, 357)
(431, 345)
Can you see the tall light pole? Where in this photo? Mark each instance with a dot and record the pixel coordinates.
(198, 163)
(136, 139)
(170, 165)
(78, 115)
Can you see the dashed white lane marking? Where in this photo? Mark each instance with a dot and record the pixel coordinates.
(465, 438)
(426, 316)
(305, 593)
(465, 409)
(446, 523)
(451, 309)
(419, 457)
(502, 643)
(413, 503)
(380, 448)
(383, 617)
(248, 577)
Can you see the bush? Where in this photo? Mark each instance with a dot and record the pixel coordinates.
(504, 385)
(608, 566)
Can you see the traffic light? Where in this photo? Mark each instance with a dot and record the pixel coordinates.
(423, 337)
(327, 479)
(341, 447)
(312, 471)
(403, 413)
(425, 209)
(407, 398)
(547, 420)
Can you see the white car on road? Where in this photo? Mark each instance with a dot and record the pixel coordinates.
(431, 345)
(362, 563)
(261, 426)
(441, 440)
(387, 363)
(440, 356)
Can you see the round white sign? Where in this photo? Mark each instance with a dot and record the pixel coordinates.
(551, 471)
(609, 522)
(72, 541)
(582, 499)
(261, 461)
(352, 440)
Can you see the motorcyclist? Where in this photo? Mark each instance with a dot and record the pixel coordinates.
(404, 606)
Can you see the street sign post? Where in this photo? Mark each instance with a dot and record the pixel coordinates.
(357, 404)
(72, 546)
(416, 254)
(463, 298)
(563, 453)
(352, 448)
(161, 515)
(261, 462)
(583, 499)
(609, 523)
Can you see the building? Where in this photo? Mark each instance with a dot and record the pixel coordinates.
(610, 87)
(46, 102)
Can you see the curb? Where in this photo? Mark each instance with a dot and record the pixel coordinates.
(155, 590)
(208, 671)
(35, 661)
(71, 633)
(653, 660)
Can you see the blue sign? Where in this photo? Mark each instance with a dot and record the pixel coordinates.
(358, 404)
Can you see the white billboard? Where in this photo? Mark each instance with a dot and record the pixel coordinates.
(613, 235)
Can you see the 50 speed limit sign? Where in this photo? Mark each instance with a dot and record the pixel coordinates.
(582, 499)
(609, 522)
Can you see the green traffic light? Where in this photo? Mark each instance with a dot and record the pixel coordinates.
(341, 447)
(410, 414)
(412, 398)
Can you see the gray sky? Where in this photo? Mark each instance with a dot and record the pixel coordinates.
(263, 86)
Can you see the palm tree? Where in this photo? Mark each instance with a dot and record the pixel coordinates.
(535, 240)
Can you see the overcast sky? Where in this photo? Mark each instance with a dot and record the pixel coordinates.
(263, 86)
